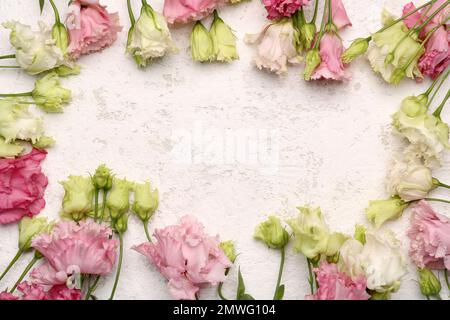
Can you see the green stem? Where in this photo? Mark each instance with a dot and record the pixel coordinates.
(322, 26)
(92, 288)
(119, 267)
(8, 56)
(22, 94)
(25, 272)
(437, 112)
(219, 288)
(10, 67)
(437, 90)
(11, 264)
(105, 192)
(443, 185)
(404, 17)
(97, 191)
(437, 200)
(316, 9)
(147, 234)
(18, 102)
(433, 15)
(311, 276)
(431, 88)
(446, 278)
(130, 13)
(280, 271)
(330, 13)
(55, 10)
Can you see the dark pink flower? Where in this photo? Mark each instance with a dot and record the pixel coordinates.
(430, 238)
(187, 257)
(33, 291)
(7, 296)
(331, 66)
(72, 249)
(283, 8)
(91, 27)
(22, 187)
(335, 285)
(183, 11)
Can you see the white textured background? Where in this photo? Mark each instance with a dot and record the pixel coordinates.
(335, 144)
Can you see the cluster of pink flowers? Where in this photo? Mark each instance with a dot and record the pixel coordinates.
(437, 54)
(91, 27)
(430, 238)
(277, 9)
(182, 11)
(187, 257)
(22, 186)
(336, 285)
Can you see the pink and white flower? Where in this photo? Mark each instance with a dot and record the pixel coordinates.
(91, 27)
(277, 9)
(187, 257)
(339, 14)
(336, 285)
(22, 187)
(184, 11)
(430, 238)
(72, 249)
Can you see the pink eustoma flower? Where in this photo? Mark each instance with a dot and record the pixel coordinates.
(339, 14)
(277, 9)
(183, 11)
(22, 187)
(430, 238)
(331, 66)
(335, 285)
(7, 296)
(187, 257)
(72, 249)
(91, 27)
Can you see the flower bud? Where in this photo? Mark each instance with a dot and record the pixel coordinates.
(118, 201)
(389, 58)
(201, 44)
(78, 197)
(121, 224)
(145, 201)
(65, 71)
(380, 295)
(272, 233)
(356, 49)
(414, 106)
(307, 34)
(379, 211)
(312, 60)
(30, 227)
(44, 143)
(61, 37)
(49, 95)
(102, 178)
(397, 75)
(429, 284)
(223, 40)
(360, 233)
(9, 150)
(229, 250)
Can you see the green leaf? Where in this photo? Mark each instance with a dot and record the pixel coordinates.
(246, 296)
(41, 5)
(241, 286)
(279, 294)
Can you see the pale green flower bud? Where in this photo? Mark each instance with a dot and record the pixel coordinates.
(229, 250)
(307, 33)
(380, 211)
(272, 233)
(397, 75)
(414, 106)
(360, 233)
(202, 48)
(118, 200)
(49, 95)
(356, 49)
(145, 201)
(430, 285)
(312, 61)
(102, 178)
(9, 150)
(334, 244)
(65, 71)
(223, 39)
(44, 143)
(121, 224)
(386, 295)
(29, 228)
(61, 37)
(78, 197)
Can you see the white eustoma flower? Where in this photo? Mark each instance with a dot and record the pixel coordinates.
(17, 123)
(277, 45)
(150, 37)
(410, 180)
(36, 51)
(380, 260)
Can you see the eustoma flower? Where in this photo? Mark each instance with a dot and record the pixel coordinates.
(277, 9)
(182, 11)
(49, 95)
(430, 238)
(149, 36)
(276, 46)
(78, 197)
(22, 187)
(72, 249)
(187, 257)
(91, 27)
(336, 285)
